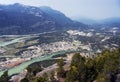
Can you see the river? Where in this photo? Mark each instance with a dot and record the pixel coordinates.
(21, 67)
(2, 44)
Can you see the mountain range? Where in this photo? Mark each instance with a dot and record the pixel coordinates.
(23, 19)
(109, 22)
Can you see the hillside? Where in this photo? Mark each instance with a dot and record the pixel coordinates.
(22, 19)
(105, 67)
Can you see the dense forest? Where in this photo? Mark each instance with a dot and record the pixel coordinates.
(103, 68)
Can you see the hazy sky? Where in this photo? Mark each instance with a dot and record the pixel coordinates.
(96, 9)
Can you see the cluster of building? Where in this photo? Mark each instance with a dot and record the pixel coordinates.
(2, 50)
(81, 33)
(42, 49)
(39, 50)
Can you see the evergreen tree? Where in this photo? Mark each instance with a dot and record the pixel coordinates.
(77, 71)
(4, 77)
(52, 78)
(40, 79)
(60, 69)
(24, 80)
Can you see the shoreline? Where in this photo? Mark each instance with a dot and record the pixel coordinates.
(18, 68)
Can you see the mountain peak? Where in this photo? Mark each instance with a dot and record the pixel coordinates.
(17, 5)
(29, 19)
(45, 7)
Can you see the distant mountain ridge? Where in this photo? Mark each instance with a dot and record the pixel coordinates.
(22, 19)
(113, 22)
(84, 20)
